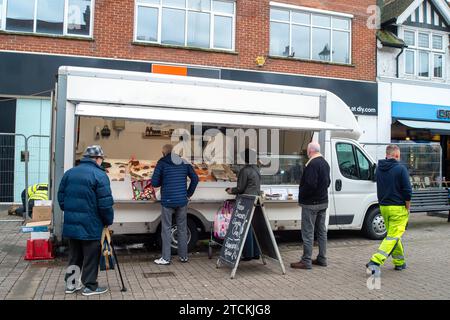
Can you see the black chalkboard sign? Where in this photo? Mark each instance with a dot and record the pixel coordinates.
(237, 229)
(248, 211)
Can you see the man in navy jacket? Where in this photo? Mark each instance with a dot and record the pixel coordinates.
(171, 174)
(85, 197)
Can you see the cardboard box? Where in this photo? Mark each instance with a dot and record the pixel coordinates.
(40, 226)
(41, 213)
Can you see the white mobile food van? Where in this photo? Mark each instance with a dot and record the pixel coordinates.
(130, 113)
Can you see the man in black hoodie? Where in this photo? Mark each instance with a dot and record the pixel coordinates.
(394, 196)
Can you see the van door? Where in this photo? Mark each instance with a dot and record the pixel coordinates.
(353, 190)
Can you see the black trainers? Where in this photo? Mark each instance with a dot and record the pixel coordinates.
(400, 268)
(184, 259)
(373, 268)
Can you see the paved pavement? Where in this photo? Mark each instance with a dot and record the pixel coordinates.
(426, 242)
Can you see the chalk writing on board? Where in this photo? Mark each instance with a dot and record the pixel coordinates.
(238, 226)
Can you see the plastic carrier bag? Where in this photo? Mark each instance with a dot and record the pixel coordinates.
(143, 190)
(222, 219)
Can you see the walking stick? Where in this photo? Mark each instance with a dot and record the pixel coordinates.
(124, 289)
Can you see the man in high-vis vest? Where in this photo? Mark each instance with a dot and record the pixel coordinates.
(394, 196)
(38, 191)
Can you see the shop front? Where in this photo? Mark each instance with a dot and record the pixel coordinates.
(419, 114)
(423, 123)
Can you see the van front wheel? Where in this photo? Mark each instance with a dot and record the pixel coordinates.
(374, 227)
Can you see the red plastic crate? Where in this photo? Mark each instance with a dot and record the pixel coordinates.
(39, 249)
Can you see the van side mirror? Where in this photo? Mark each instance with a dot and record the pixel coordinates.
(373, 170)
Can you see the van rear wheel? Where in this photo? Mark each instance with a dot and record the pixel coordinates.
(192, 236)
(374, 227)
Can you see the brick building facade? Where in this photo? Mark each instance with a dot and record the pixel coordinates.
(113, 38)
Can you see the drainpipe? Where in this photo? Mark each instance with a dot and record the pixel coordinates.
(396, 59)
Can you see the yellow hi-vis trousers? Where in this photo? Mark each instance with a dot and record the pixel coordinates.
(395, 219)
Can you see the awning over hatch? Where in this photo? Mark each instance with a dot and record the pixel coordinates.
(206, 117)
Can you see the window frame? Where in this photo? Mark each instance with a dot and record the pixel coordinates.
(419, 64)
(414, 62)
(355, 149)
(211, 12)
(65, 33)
(3, 16)
(431, 53)
(311, 26)
(91, 26)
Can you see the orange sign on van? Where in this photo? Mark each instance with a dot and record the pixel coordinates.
(173, 70)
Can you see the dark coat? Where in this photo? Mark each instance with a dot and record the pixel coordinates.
(172, 178)
(314, 184)
(85, 197)
(249, 181)
(393, 185)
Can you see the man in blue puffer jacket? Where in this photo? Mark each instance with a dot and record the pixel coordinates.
(85, 197)
(171, 174)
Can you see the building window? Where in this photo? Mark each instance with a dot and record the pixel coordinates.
(191, 23)
(55, 17)
(437, 63)
(50, 16)
(424, 64)
(410, 38)
(79, 17)
(309, 35)
(410, 62)
(424, 57)
(1, 14)
(20, 15)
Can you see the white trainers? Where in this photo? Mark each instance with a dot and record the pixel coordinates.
(184, 259)
(162, 261)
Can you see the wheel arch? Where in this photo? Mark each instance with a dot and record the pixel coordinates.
(368, 209)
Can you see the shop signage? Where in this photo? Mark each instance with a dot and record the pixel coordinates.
(419, 111)
(360, 96)
(443, 114)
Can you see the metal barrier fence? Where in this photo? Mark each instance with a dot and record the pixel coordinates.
(24, 161)
(9, 142)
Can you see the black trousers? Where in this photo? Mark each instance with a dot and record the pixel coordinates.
(21, 210)
(86, 255)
